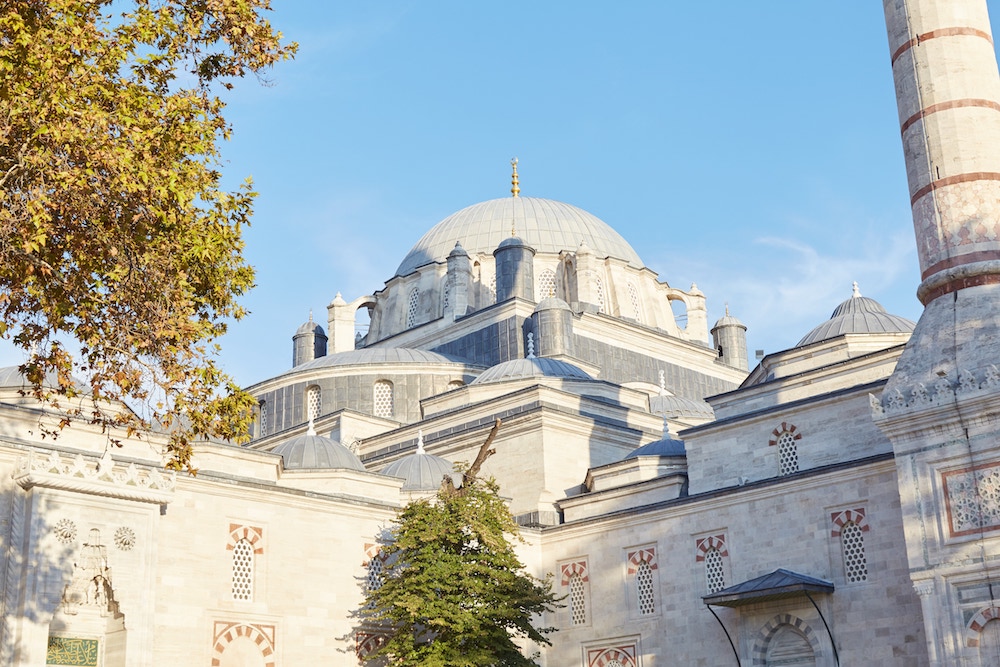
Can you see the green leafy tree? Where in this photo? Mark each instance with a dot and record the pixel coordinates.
(120, 252)
(452, 591)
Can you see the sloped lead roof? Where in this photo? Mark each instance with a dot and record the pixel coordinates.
(774, 586)
(547, 226)
(316, 451)
(531, 367)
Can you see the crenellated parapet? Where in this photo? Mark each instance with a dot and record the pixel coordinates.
(101, 476)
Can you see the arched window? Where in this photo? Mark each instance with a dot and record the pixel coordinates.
(852, 539)
(243, 555)
(644, 592)
(633, 297)
(411, 307)
(262, 417)
(599, 288)
(577, 599)
(715, 573)
(373, 579)
(788, 454)
(445, 294)
(546, 284)
(312, 402)
(384, 405)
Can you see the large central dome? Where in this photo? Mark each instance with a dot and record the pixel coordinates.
(547, 226)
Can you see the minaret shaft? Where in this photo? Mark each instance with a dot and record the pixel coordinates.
(948, 95)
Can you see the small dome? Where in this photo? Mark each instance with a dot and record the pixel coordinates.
(678, 407)
(422, 471)
(311, 451)
(664, 447)
(513, 242)
(381, 355)
(458, 250)
(531, 367)
(858, 315)
(728, 320)
(310, 327)
(552, 303)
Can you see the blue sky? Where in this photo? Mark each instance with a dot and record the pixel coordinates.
(752, 148)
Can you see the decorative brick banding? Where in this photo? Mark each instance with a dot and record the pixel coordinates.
(940, 32)
(945, 106)
(843, 517)
(976, 624)
(969, 177)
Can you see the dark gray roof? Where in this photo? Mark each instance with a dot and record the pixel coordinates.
(310, 327)
(664, 447)
(547, 226)
(381, 355)
(678, 407)
(774, 586)
(531, 367)
(317, 451)
(552, 303)
(858, 315)
(422, 471)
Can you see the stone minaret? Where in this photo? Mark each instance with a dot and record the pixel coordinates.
(940, 407)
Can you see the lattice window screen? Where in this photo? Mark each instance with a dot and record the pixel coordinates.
(855, 562)
(600, 295)
(788, 454)
(263, 418)
(411, 307)
(384, 403)
(577, 600)
(715, 575)
(633, 296)
(546, 284)
(243, 571)
(313, 402)
(644, 588)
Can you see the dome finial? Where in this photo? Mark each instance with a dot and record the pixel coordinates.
(856, 292)
(312, 429)
(531, 345)
(514, 188)
(420, 441)
(663, 384)
(727, 309)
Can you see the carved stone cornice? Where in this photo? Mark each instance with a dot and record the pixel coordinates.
(100, 476)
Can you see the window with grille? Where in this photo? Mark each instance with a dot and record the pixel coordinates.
(715, 575)
(263, 418)
(600, 295)
(546, 284)
(852, 540)
(788, 454)
(446, 295)
(411, 307)
(633, 296)
(384, 404)
(312, 402)
(577, 600)
(493, 289)
(644, 592)
(243, 570)
(374, 578)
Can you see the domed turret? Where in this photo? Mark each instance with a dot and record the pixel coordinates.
(858, 315)
(552, 322)
(515, 269)
(308, 343)
(730, 338)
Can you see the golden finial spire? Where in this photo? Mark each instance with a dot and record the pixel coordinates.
(514, 188)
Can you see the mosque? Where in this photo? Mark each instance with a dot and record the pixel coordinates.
(837, 504)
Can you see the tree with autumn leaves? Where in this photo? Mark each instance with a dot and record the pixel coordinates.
(120, 252)
(452, 592)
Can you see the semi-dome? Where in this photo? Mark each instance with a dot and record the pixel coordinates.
(552, 303)
(311, 451)
(858, 315)
(531, 367)
(547, 226)
(421, 471)
(678, 407)
(666, 447)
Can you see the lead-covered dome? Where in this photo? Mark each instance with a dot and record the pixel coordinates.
(547, 226)
(311, 451)
(531, 367)
(858, 315)
(422, 471)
